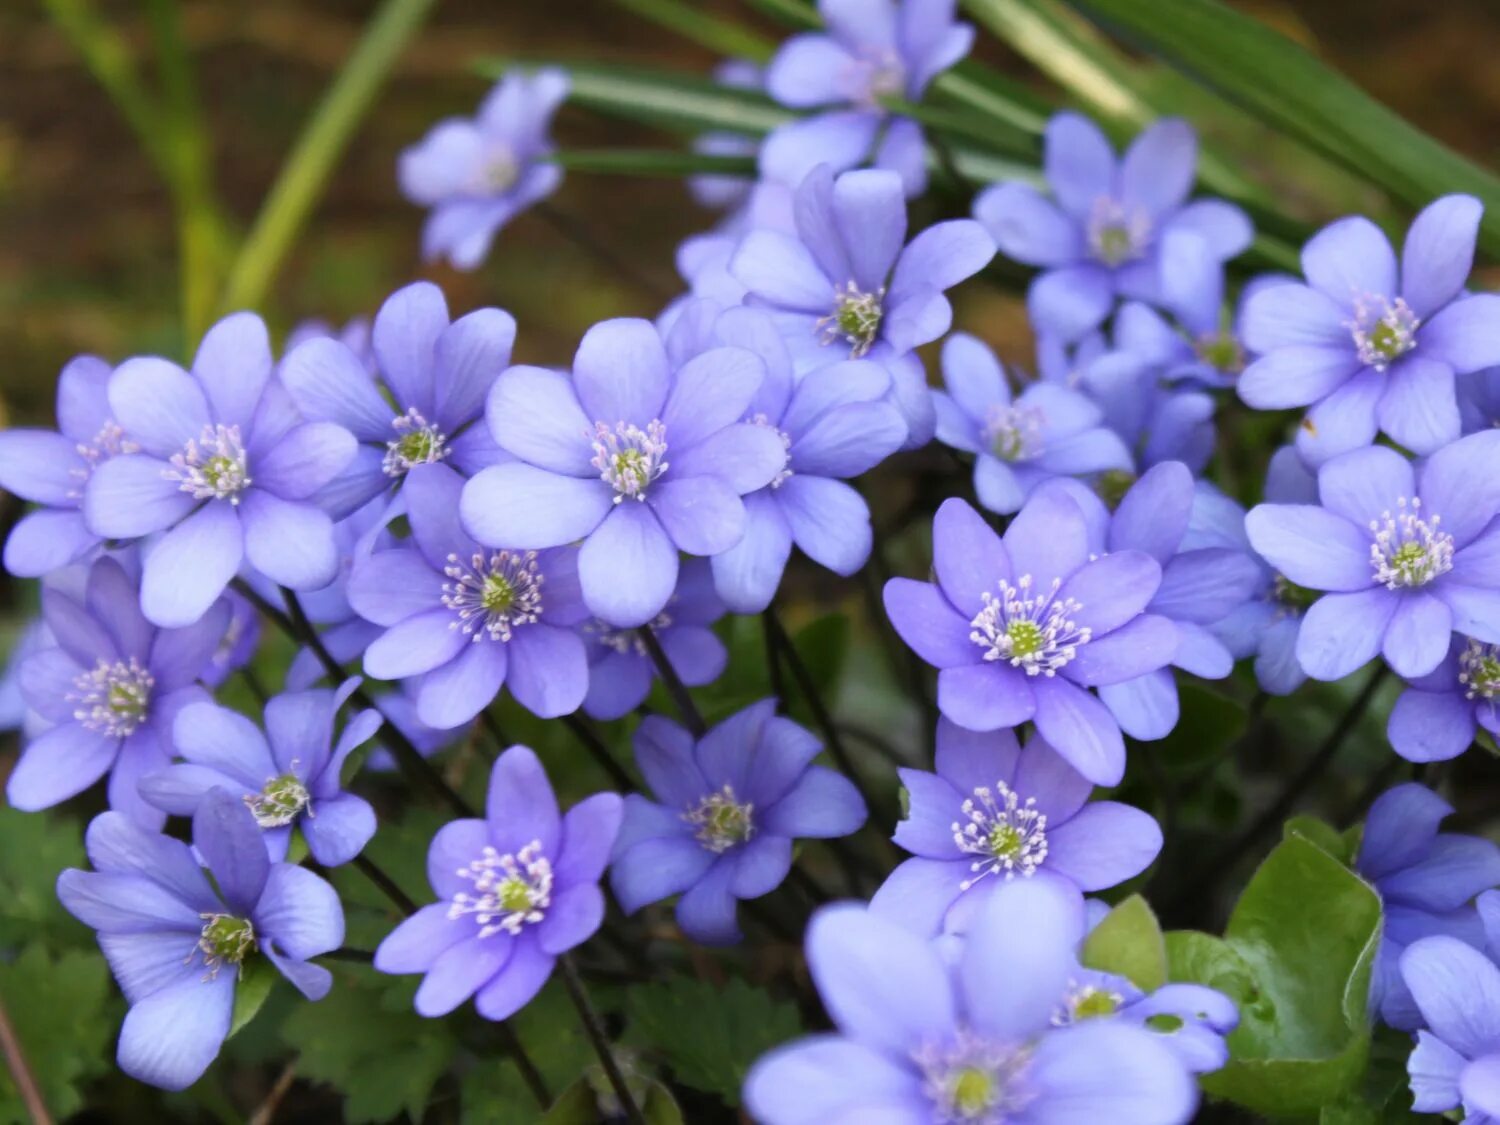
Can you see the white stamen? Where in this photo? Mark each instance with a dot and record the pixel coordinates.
(511, 891)
(224, 940)
(784, 474)
(1409, 550)
(629, 458)
(1383, 330)
(280, 802)
(1034, 633)
(722, 820)
(110, 441)
(1014, 433)
(1085, 1002)
(212, 467)
(1008, 835)
(418, 442)
(855, 318)
(1479, 670)
(974, 1081)
(113, 698)
(491, 598)
(1118, 232)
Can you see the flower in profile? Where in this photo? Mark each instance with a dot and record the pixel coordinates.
(728, 808)
(178, 943)
(1100, 237)
(1438, 715)
(518, 889)
(1372, 345)
(287, 776)
(995, 812)
(226, 472)
(1020, 628)
(109, 686)
(918, 1039)
(461, 620)
(640, 454)
(1019, 441)
(476, 174)
(437, 375)
(873, 50)
(1403, 555)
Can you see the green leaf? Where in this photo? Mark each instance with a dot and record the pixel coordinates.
(1129, 943)
(493, 1092)
(256, 978)
(61, 1011)
(650, 162)
(1321, 833)
(579, 1105)
(34, 850)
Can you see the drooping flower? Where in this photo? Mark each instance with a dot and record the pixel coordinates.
(423, 404)
(461, 620)
(872, 50)
(177, 944)
(637, 454)
(1369, 345)
(995, 812)
(1020, 628)
(110, 687)
(728, 808)
(226, 472)
(476, 174)
(287, 776)
(1020, 441)
(1100, 237)
(918, 1039)
(1403, 554)
(1439, 714)
(517, 890)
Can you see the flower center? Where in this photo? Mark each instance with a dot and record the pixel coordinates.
(1221, 351)
(224, 940)
(974, 1081)
(785, 473)
(418, 442)
(499, 172)
(1383, 330)
(629, 458)
(876, 73)
(490, 598)
(213, 466)
(1112, 485)
(1035, 633)
(1479, 670)
(1088, 1002)
(1007, 834)
(1117, 233)
(279, 803)
(1409, 550)
(110, 441)
(113, 698)
(855, 318)
(722, 821)
(628, 641)
(1014, 433)
(510, 891)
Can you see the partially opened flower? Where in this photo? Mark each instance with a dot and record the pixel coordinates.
(1455, 1065)
(178, 943)
(1438, 715)
(518, 889)
(1191, 1019)
(728, 809)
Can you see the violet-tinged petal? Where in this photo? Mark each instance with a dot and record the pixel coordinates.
(828, 1078)
(520, 805)
(968, 557)
(699, 515)
(1002, 999)
(1311, 546)
(515, 985)
(1026, 226)
(452, 694)
(1293, 315)
(1158, 168)
(1465, 335)
(159, 404)
(658, 868)
(300, 911)
(290, 542)
(420, 939)
(1457, 989)
(1110, 592)
(189, 567)
(829, 520)
(521, 506)
(330, 384)
(1103, 845)
(1081, 729)
(1419, 409)
(1078, 162)
(169, 1038)
(986, 696)
(1071, 300)
(1343, 632)
(58, 764)
(822, 805)
(548, 670)
(1431, 726)
(1350, 258)
(462, 970)
(1456, 483)
(1434, 1068)
(1109, 1070)
(404, 336)
(1416, 640)
(1343, 421)
(534, 413)
(233, 364)
(1296, 375)
(1439, 252)
(130, 496)
(305, 460)
(1142, 645)
(339, 829)
(840, 139)
(628, 567)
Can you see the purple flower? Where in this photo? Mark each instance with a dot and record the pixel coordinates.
(993, 812)
(1426, 881)
(850, 280)
(638, 454)
(461, 620)
(729, 807)
(1021, 628)
(354, 335)
(238, 646)
(1439, 714)
(110, 689)
(1190, 1019)
(1367, 346)
(288, 777)
(436, 374)
(477, 174)
(14, 712)
(873, 50)
(518, 889)
(919, 1039)
(1479, 400)
(1022, 441)
(1101, 237)
(1405, 556)
(227, 472)
(51, 469)
(178, 943)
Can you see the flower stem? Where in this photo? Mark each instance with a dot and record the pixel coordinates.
(594, 1028)
(529, 1073)
(373, 872)
(675, 687)
(600, 752)
(20, 1071)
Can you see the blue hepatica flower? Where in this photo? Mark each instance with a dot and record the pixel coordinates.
(1404, 555)
(109, 687)
(424, 403)
(872, 50)
(994, 812)
(177, 943)
(1439, 714)
(920, 1039)
(1021, 628)
(226, 472)
(476, 174)
(1019, 441)
(1372, 345)
(288, 776)
(519, 889)
(1100, 237)
(727, 811)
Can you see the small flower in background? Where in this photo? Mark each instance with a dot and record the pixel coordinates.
(437, 375)
(354, 335)
(1403, 554)
(1370, 345)
(477, 174)
(872, 50)
(1438, 715)
(1190, 1019)
(109, 688)
(240, 641)
(727, 811)
(995, 812)
(177, 944)
(1099, 239)
(519, 889)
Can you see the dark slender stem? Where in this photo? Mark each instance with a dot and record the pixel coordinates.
(575, 232)
(903, 662)
(257, 689)
(372, 871)
(773, 665)
(497, 736)
(595, 746)
(529, 1073)
(594, 1028)
(356, 956)
(675, 687)
(20, 1071)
